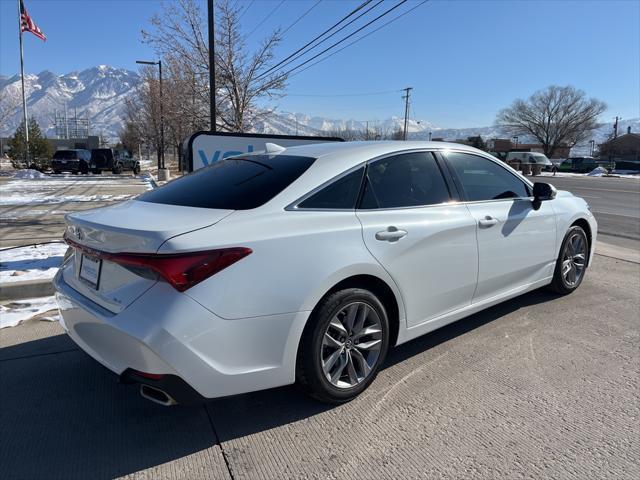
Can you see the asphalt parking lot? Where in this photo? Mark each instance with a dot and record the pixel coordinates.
(538, 387)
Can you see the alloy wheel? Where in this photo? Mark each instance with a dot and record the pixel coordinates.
(351, 345)
(574, 259)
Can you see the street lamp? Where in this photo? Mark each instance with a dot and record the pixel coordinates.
(161, 156)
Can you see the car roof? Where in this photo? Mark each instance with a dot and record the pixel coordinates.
(371, 149)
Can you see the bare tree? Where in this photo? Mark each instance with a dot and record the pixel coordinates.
(177, 35)
(143, 110)
(555, 116)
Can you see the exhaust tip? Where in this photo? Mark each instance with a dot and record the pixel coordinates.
(156, 395)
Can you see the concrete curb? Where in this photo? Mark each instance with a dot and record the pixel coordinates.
(26, 289)
(619, 253)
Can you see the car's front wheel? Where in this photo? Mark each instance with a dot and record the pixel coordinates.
(343, 345)
(572, 261)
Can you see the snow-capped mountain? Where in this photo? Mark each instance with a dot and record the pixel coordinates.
(98, 93)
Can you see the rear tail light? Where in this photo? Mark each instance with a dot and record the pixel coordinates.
(181, 270)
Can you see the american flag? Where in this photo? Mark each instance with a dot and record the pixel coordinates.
(28, 25)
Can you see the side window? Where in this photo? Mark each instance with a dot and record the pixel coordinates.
(407, 180)
(341, 194)
(483, 179)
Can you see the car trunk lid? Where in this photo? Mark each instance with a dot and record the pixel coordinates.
(130, 227)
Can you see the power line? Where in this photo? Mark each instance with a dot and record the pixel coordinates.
(324, 39)
(266, 18)
(343, 39)
(362, 37)
(358, 8)
(246, 9)
(300, 17)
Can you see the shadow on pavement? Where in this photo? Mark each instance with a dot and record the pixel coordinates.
(236, 417)
(65, 416)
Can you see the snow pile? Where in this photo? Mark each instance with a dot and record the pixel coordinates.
(597, 172)
(20, 200)
(18, 311)
(32, 262)
(29, 173)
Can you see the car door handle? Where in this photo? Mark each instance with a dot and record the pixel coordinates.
(487, 221)
(391, 234)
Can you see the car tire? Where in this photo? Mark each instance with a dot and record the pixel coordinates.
(336, 362)
(84, 169)
(74, 172)
(136, 170)
(97, 171)
(572, 262)
(57, 172)
(117, 170)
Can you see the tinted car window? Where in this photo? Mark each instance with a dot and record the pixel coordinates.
(406, 180)
(232, 184)
(483, 179)
(341, 194)
(65, 155)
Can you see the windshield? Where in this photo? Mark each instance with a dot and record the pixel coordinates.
(234, 183)
(65, 155)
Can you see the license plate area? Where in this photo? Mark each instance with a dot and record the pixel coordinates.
(90, 268)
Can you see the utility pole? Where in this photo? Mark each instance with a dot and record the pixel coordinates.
(406, 96)
(615, 127)
(212, 67)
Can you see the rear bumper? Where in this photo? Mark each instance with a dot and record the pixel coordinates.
(166, 332)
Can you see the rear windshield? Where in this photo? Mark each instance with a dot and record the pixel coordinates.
(65, 155)
(233, 184)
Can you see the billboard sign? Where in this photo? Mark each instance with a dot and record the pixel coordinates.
(205, 148)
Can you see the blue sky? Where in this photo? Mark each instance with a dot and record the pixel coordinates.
(464, 59)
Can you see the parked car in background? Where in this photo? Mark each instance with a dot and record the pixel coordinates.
(528, 162)
(111, 160)
(584, 164)
(308, 264)
(72, 160)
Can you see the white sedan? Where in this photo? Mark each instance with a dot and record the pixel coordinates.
(307, 264)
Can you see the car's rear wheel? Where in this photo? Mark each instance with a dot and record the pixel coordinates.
(117, 170)
(572, 261)
(343, 345)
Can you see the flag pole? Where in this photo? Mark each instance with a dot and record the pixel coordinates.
(24, 98)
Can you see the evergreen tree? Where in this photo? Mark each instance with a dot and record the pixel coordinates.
(40, 150)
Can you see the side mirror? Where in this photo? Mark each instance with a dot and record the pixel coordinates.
(541, 192)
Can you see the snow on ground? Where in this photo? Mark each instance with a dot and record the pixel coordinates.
(583, 175)
(11, 314)
(32, 262)
(47, 189)
(41, 198)
(28, 173)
